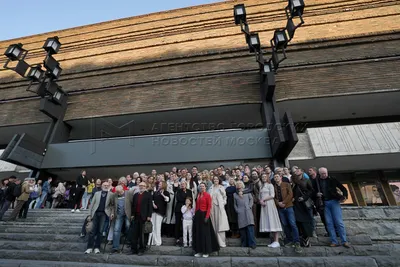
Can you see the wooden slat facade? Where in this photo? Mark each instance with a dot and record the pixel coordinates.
(197, 57)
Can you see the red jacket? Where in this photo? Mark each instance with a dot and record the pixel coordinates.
(124, 186)
(203, 203)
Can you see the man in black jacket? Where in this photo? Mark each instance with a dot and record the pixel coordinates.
(81, 183)
(142, 208)
(9, 195)
(333, 210)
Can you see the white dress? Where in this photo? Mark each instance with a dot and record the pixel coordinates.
(269, 218)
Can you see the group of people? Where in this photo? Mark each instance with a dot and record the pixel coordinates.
(38, 195)
(199, 209)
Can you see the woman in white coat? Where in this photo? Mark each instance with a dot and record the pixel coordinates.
(269, 219)
(218, 216)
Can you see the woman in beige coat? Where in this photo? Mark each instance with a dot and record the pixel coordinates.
(218, 215)
(58, 195)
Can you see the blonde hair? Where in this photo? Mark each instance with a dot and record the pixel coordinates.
(240, 184)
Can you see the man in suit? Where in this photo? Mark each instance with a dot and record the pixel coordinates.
(102, 205)
(142, 208)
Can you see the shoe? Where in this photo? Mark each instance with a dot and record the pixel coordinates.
(73, 210)
(307, 242)
(205, 255)
(185, 246)
(297, 248)
(88, 251)
(346, 245)
(96, 251)
(274, 245)
(131, 252)
(78, 210)
(333, 245)
(314, 234)
(82, 235)
(254, 247)
(289, 245)
(140, 253)
(114, 251)
(198, 255)
(110, 242)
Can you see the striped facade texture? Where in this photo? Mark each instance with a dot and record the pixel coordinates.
(197, 57)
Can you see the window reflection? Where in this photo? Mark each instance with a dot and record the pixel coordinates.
(372, 193)
(349, 200)
(395, 188)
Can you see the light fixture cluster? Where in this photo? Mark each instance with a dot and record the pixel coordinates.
(44, 80)
(294, 10)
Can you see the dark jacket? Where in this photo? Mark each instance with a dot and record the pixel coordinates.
(160, 202)
(146, 206)
(10, 192)
(82, 181)
(332, 185)
(181, 198)
(303, 189)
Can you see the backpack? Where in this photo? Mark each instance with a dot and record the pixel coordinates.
(17, 190)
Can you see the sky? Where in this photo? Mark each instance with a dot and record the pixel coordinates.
(27, 17)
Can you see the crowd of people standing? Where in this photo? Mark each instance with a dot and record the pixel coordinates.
(198, 209)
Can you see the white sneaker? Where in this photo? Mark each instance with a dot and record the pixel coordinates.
(185, 246)
(205, 256)
(88, 251)
(78, 210)
(274, 245)
(96, 251)
(198, 255)
(73, 210)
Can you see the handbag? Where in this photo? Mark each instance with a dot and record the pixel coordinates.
(148, 227)
(309, 203)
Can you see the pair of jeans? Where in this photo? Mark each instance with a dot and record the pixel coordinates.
(247, 236)
(334, 220)
(4, 208)
(288, 221)
(15, 212)
(24, 211)
(118, 223)
(85, 200)
(42, 200)
(96, 235)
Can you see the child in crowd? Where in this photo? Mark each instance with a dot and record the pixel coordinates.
(188, 213)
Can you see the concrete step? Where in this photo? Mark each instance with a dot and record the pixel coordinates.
(28, 263)
(74, 243)
(163, 260)
(42, 230)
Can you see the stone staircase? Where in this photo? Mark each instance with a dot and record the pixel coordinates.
(51, 238)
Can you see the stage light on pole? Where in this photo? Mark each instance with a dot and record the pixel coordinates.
(280, 39)
(254, 42)
(36, 73)
(239, 13)
(267, 80)
(52, 66)
(296, 8)
(52, 45)
(14, 52)
(58, 96)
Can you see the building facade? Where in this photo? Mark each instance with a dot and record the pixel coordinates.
(180, 87)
